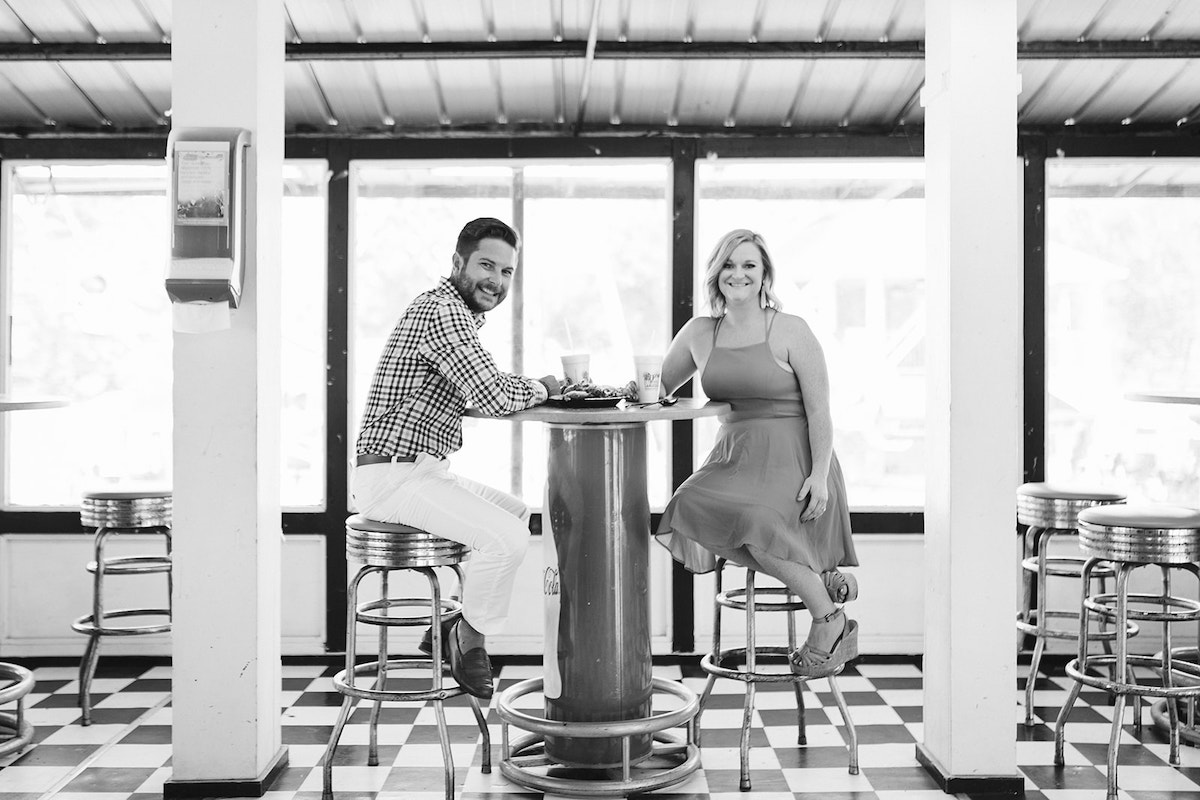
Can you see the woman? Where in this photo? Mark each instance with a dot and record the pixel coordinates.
(771, 495)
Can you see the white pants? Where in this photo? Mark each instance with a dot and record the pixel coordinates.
(426, 495)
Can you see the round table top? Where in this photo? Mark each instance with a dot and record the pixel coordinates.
(684, 408)
(1191, 398)
(8, 403)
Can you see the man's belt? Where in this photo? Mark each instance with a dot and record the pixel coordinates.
(371, 458)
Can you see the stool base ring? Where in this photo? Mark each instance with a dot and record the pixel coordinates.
(15, 730)
(1162, 720)
(18, 735)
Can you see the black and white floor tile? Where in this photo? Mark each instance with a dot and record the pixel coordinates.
(125, 754)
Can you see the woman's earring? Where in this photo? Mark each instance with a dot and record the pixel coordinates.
(762, 296)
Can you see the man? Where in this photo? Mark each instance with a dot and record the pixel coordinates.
(432, 366)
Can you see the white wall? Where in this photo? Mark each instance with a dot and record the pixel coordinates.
(44, 587)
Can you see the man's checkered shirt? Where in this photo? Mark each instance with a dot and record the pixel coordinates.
(432, 366)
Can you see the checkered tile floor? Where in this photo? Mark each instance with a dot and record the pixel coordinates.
(125, 754)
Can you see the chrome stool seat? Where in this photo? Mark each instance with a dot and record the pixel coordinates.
(111, 514)
(1051, 510)
(15, 730)
(382, 548)
(742, 663)
(1131, 537)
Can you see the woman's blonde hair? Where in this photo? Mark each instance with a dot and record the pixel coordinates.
(720, 254)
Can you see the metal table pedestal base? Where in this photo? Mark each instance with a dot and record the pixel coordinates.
(520, 758)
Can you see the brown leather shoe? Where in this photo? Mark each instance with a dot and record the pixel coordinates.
(472, 669)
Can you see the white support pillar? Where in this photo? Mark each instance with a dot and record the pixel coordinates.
(974, 341)
(227, 60)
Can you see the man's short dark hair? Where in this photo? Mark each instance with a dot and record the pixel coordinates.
(477, 230)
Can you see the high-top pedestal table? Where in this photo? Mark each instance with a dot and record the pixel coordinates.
(1189, 731)
(598, 684)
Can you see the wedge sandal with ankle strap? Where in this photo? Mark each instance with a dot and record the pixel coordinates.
(823, 663)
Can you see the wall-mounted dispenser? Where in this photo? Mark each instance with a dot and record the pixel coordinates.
(208, 222)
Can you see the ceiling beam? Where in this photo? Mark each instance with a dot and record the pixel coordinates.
(669, 50)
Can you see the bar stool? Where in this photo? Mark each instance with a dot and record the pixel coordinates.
(111, 514)
(1130, 537)
(1051, 510)
(15, 730)
(382, 548)
(725, 663)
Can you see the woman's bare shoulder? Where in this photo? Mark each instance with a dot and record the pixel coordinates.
(792, 325)
(698, 326)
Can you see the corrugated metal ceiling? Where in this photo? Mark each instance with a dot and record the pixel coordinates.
(510, 66)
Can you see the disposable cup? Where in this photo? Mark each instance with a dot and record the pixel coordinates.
(575, 367)
(649, 377)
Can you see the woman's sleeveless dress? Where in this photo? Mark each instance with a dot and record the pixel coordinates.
(744, 496)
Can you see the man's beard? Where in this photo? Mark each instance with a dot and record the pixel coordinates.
(466, 290)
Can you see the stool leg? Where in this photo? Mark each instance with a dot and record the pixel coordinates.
(851, 733)
(1114, 738)
(91, 654)
(380, 674)
(1027, 582)
(1043, 537)
(349, 702)
(716, 651)
(485, 734)
(1060, 724)
(170, 578)
(751, 666)
(485, 745)
(798, 686)
(1168, 679)
(435, 595)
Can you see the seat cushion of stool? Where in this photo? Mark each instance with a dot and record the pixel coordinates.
(361, 523)
(1062, 491)
(1149, 516)
(143, 495)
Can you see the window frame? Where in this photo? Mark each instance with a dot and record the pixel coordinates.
(683, 151)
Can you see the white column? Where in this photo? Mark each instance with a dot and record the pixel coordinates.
(974, 340)
(227, 71)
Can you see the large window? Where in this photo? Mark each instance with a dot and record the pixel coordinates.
(848, 241)
(594, 277)
(85, 250)
(1123, 317)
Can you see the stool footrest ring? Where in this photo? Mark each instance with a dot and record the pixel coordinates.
(736, 598)
(717, 666)
(1067, 567)
(1033, 628)
(87, 623)
(450, 609)
(1105, 604)
(371, 669)
(132, 565)
(1178, 666)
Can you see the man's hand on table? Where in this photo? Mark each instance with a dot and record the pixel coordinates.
(552, 384)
